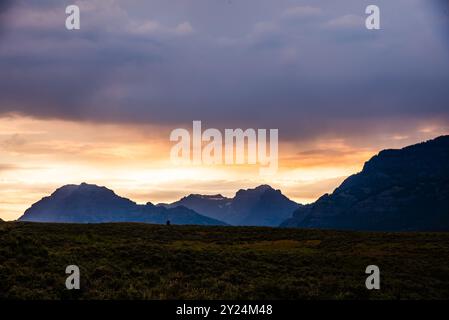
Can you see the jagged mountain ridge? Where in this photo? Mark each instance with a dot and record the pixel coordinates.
(397, 190)
(261, 206)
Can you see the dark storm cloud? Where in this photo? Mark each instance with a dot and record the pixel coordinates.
(305, 67)
(4, 5)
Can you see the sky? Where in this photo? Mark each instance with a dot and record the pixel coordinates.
(98, 104)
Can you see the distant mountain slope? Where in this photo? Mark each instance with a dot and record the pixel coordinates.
(261, 206)
(397, 190)
(87, 203)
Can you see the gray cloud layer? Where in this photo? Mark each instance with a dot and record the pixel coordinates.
(301, 66)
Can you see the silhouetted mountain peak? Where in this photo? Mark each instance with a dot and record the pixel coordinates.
(255, 192)
(81, 188)
(397, 190)
(415, 157)
(263, 188)
(87, 193)
(262, 205)
(89, 203)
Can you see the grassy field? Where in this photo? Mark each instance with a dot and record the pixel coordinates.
(137, 261)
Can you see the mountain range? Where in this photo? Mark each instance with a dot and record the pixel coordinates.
(397, 190)
(87, 203)
(261, 206)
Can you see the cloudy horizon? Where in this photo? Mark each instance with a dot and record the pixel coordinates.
(97, 105)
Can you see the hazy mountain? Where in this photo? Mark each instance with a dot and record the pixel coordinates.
(87, 203)
(262, 206)
(397, 190)
(209, 205)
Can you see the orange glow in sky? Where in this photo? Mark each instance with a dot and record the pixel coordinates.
(40, 155)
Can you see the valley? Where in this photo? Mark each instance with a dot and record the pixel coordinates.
(144, 261)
